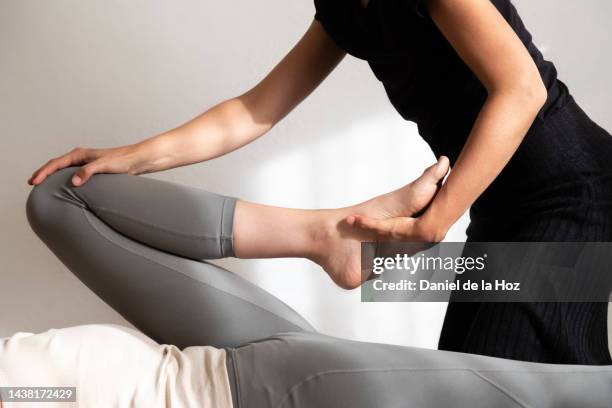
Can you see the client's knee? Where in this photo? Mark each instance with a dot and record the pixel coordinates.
(47, 201)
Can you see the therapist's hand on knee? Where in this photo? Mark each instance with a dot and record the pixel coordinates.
(131, 159)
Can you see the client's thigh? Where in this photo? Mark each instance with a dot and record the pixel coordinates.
(312, 370)
(114, 366)
(134, 241)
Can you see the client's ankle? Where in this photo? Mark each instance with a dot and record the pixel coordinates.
(337, 247)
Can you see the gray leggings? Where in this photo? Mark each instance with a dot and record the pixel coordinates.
(141, 244)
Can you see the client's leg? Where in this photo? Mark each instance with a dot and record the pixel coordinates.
(130, 240)
(136, 242)
(312, 370)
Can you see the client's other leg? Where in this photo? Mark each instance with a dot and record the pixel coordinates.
(293, 370)
(113, 366)
(130, 240)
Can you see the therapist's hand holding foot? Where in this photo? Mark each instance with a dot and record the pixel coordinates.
(327, 236)
(342, 243)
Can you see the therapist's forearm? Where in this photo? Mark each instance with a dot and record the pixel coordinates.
(499, 129)
(220, 130)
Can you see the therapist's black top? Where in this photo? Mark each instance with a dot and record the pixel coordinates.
(425, 79)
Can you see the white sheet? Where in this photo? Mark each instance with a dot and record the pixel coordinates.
(114, 366)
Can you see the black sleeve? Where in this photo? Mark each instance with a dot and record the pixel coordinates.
(419, 7)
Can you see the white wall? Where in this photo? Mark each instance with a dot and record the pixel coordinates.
(101, 74)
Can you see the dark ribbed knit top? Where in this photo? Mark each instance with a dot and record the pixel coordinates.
(425, 79)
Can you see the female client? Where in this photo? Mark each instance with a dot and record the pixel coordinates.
(225, 342)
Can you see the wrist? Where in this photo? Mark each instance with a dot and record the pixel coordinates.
(157, 153)
(432, 229)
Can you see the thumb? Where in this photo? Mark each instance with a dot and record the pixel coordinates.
(83, 174)
(441, 167)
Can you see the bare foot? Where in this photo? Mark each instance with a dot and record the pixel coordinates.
(409, 200)
(339, 252)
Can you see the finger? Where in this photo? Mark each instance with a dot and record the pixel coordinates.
(76, 156)
(383, 228)
(436, 172)
(390, 229)
(350, 220)
(85, 172)
(442, 167)
(34, 175)
(48, 168)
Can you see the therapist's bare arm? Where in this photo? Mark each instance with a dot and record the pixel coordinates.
(516, 93)
(223, 128)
